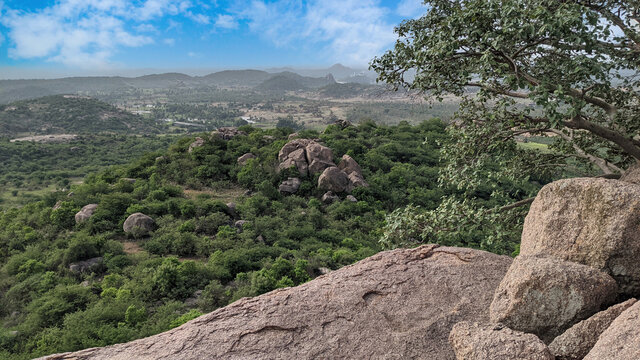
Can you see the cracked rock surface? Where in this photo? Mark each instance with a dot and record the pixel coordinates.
(399, 304)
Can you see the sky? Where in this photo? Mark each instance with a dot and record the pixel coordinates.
(93, 37)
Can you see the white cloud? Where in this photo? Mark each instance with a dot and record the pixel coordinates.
(169, 41)
(352, 31)
(86, 33)
(226, 22)
(411, 8)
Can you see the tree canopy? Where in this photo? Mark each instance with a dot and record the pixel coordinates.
(567, 72)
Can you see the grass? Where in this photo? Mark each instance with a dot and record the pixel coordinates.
(22, 196)
(225, 195)
(535, 146)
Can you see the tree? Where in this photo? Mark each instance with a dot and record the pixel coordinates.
(568, 70)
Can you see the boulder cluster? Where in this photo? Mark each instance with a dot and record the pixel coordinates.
(309, 157)
(137, 224)
(570, 294)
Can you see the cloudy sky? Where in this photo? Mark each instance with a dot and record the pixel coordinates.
(107, 36)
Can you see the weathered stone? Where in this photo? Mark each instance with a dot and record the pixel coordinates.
(333, 179)
(351, 198)
(349, 165)
(545, 296)
(318, 166)
(86, 265)
(240, 225)
(575, 343)
(291, 146)
(329, 197)
(621, 340)
(242, 160)
(297, 159)
(138, 223)
(398, 304)
(356, 180)
(589, 221)
(495, 342)
(293, 136)
(227, 133)
(196, 144)
(57, 205)
(290, 186)
(632, 175)
(319, 157)
(85, 213)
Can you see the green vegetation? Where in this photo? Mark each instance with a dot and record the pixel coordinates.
(567, 70)
(71, 115)
(148, 284)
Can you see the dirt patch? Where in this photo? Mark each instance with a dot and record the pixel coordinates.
(224, 195)
(48, 138)
(132, 247)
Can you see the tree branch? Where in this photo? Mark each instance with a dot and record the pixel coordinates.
(606, 167)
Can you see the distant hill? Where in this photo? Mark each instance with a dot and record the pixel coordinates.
(288, 81)
(69, 114)
(236, 78)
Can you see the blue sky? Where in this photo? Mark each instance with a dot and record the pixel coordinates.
(108, 36)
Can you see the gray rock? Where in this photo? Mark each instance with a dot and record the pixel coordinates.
(621, 340)
(86, 265)
(129, 180)
(240, 224)
(58, 205)
(85, 213)
(138, 223)
(351, 198)
(575, 343)
(472, 341)
(333, 179)
(196, 144)
(293, 136)
(589, 221)
(632, 175)
(329, 197)
(398, 304)
(290, 186)
(242, 160)
(545, 296)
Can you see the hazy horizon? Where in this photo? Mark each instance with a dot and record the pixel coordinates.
(62, 38)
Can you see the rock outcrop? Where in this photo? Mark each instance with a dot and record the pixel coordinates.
(196, 144)
(398, 304)
(545, 296)
(86, 265)
(329, 197)
(576, 342)
(621, 340)
(138, 224)
(495, 342)
(589, 221)
(306, 155)
(333, 179)
(290, 186)
(353, 171)
(242, 160)
(85, 213)
(632, 175)
(227, 133)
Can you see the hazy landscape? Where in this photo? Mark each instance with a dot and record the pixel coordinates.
(196, 181)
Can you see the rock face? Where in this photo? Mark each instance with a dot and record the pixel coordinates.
(227, 133)
(196, 144)
(242, 160)
(334, 180)
(594, 222)
(576, 342)
(491, 342)
(85, 213)
(621, 341)
(545, 296)
(86, 265)
(306, 155)
(329, 197)
(400, 304)
(138, 223)
(632, 175)
(290, 186)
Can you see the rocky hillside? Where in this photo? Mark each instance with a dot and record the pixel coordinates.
(570, 294)
(69, 114)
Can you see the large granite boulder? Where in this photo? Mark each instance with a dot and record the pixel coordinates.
(398, 304)
(196, 144)
(472, 341)
(545, 296)
(85, 213)
(290, 186)
(333, 179)
(306, 155)
(621, 340)
(353, 171)
(632, 175)
(242, 160)
(138, 224)
(227, 133)
(589, 221)
(319, 157)
(575, 343)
